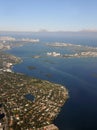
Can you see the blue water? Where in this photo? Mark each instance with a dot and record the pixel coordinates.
(79, 75)
(29, 97)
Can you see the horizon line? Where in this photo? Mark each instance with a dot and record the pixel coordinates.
(53, 31)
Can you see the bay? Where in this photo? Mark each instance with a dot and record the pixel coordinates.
(79, 75)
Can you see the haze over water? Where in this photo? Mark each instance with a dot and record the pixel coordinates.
(79, 75)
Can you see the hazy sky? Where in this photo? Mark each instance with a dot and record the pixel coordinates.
(52, 15)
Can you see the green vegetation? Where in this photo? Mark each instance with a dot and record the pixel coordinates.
(49, 98)
(20, 113)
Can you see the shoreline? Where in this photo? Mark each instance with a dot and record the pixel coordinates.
(44, 96)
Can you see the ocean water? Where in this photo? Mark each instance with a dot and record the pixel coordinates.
(79, 75)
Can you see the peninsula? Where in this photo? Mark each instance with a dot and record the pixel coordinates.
(27, 103)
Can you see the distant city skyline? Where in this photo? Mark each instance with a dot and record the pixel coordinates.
(48, 15)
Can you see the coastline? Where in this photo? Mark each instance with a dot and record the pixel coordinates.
(45, 96)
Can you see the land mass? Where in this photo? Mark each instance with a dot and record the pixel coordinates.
(38, 113)
(78, 50)
(26, 114)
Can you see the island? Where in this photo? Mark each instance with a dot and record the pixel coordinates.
(5, 39)
(27, 103)
(7, 42)
(76, 50)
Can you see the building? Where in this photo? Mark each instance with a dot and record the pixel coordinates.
(51, 127)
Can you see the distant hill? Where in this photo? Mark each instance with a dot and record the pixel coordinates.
(82, 33)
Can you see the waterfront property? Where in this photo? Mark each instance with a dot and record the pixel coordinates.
(30, 103)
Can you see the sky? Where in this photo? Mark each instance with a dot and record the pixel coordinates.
(48, 15)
